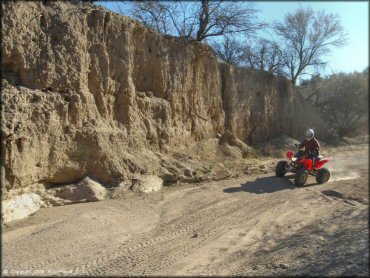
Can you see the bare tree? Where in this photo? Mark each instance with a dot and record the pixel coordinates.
(347, 109)
(229, 50)
(183, 18)
(167, 17)
(153, 14)
(307, 37)
(312, 89)
(341, 98)
(218, 18)
(199, 19)
(263, 55)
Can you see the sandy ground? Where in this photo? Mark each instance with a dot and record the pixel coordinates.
(253, 225)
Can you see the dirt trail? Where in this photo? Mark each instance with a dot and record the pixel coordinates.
(255, 225)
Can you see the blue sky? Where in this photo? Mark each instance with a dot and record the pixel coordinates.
(354, 17)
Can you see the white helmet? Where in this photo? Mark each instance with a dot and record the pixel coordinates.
(309, 134)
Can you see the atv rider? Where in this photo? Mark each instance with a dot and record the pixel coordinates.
(311, 146)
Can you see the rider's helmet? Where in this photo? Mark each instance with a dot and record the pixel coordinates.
(309, 134)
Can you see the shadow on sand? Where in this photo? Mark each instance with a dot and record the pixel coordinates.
(264, 185)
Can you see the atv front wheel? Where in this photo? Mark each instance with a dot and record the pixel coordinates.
(322, 175)
(300, 177)
(281, 168)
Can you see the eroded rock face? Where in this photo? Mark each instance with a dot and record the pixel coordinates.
(96, 89)
(260, 106)
(87, 92)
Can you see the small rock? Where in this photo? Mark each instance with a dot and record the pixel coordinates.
(258, 267)
(284, 266)
(187, 172)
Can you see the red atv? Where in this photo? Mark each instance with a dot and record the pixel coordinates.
(302, 166)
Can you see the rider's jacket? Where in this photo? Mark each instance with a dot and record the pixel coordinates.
(310, 146)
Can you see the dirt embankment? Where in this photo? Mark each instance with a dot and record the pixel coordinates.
(88, 92)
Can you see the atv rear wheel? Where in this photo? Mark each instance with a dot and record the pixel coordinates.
(300, 177)
(281, 168)
(322, 175)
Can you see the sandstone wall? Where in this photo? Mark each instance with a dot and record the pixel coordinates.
(87, 92)
(260, 106)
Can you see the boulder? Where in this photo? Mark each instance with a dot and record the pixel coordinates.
(146, 184)
(86, 190)
(20, 207)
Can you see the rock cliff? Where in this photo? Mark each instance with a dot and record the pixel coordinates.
(87, 92)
